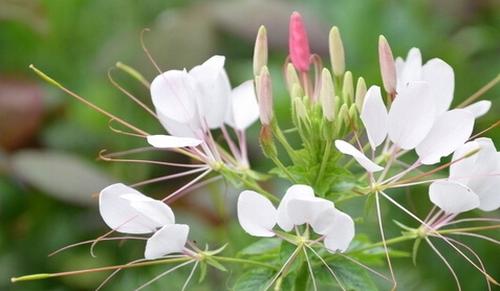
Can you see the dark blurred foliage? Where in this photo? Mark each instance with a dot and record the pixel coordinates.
(49, 142)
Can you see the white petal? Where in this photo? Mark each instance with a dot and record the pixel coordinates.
(450, 130)
(157, 211)
(243, 109)
(484, 177)
(169, 141)
(441, 81)
(340, 234)
(169, 239)
(411, 115)
(453, 197)
(215, 88)
(462, 168)
(410, 71)
(174, 94)
(374, 116)
(295, 191)
(365, 162)
(305, 210)
(256, 214)
(182, 129)
(119, 214)
(479, 108)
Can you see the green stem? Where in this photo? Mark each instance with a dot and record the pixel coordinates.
(324, 161)
(387, 242)
(244, 261)
(469, 229)
(101, 269)
(280, 165)
(282, 139)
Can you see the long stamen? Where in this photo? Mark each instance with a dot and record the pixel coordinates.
(178, 191)
(146, 51)
(169, 177)
(327, 267)
(86, 102)
(438, 234)
(285, 265)
(93, 240)
(475, 255)
(108, 278)
(122, 131)
(190, 276)
(309, 267)
(94, 270)
(381, 228)
(162, 275)
(107, 158)
(129, 95)
(364, 266)
(445, 262)
(480, 92)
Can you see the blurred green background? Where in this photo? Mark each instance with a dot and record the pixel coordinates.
(49, 142)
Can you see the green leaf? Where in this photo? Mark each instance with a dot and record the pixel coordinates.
(255, 279)
(216, 264)
(286, 252)
(262, 246)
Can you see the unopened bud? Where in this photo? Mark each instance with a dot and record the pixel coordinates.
(360, 93)
(348, 88)
(387, 66)
(343, 118)
(300, 109)
(298, 43)
(292, 79)
(265, 96)
(260, 51)
(337, 57)
(326, 95)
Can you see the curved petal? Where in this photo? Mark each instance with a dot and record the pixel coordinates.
(167, 240)
(365, 162)
(243, 108)
(169, 141)
(441, 81)
(374, 116)
(410, 70)
(295, 191)
(450, 130)
(126, 210)
(174, 94)
(305, 210)
(485, 176)
(187, 129)
(411, 115)
(215, 88)
(479, 108)
(256, 214)
(453, 197)
(340, 233)
(462, 168)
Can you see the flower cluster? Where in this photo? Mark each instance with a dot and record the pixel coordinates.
(339, 122)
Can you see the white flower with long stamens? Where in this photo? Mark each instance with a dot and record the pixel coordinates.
(189, 104)
(257, 216)
(126, 210)
(473, 181)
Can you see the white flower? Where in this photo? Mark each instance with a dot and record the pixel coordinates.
(258, 217)
(473, 181)
(126, 210)
(189, 104)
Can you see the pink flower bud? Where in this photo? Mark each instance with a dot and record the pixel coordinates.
(298, 43)
(387, 66)
(265, 96)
